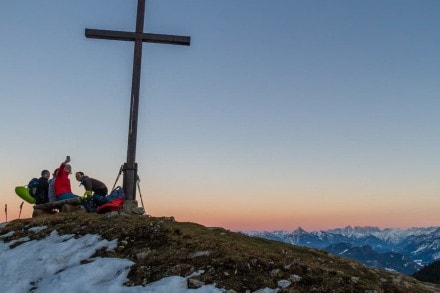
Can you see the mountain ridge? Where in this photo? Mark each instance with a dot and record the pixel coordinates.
(413, 247)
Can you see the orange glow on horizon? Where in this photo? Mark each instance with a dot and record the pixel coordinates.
(257, 214)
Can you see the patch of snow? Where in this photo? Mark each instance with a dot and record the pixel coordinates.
(13, 242)
(37, 229)
(9, 234)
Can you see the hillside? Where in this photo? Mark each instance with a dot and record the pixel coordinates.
(161, 247)
(429, 273)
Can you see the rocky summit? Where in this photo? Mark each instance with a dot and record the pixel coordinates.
(235, 262)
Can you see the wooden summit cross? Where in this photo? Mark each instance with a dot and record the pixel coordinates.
(138, 37)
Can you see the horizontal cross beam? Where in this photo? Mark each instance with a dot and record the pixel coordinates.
(132, 36)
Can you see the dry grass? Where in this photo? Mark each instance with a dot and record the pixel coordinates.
(161, 247)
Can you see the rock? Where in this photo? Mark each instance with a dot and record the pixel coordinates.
(68, 208)
(38, 212)
(168, 219)
(131, 207)
(142, 255)
(111, 214)
(198, 254)
(295, 278)
(194, 284)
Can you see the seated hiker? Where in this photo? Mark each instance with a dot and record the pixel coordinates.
(63, 189)
(51, 182)
(38, 189)
(91, 185)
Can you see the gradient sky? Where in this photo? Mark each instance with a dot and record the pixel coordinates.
(281, 113)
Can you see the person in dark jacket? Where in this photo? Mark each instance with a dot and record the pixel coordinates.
(91, 184)
(41, 193)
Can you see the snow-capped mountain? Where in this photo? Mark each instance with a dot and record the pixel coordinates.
(423, 247)
(408, 249)
(365, 254)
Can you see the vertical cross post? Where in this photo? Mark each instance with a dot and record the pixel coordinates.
(130, 167)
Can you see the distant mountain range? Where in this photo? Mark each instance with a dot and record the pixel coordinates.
(401, 250)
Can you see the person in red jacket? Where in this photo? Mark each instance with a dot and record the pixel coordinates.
(62, 182)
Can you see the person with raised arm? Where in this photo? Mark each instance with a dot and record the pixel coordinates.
(63, 189)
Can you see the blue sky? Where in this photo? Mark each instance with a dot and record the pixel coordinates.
(280, 113)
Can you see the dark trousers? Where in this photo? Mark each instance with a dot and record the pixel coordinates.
(101, 191)
(41, 198)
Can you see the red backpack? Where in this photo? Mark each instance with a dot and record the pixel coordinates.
(114, 205)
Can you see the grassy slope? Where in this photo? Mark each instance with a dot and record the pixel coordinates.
(161, 247)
